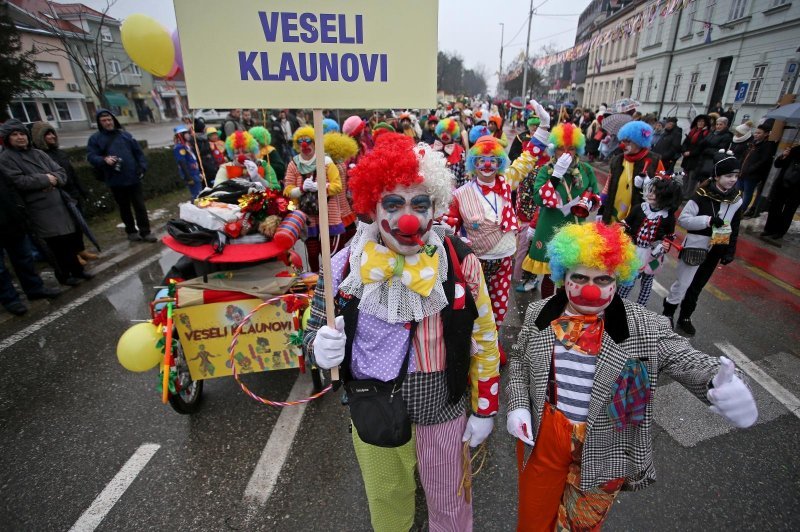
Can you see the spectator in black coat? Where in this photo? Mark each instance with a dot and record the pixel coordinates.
(755, 167)
(719, 139)
(118, 157)
(692, 149)
(784, 198)
(669, 145)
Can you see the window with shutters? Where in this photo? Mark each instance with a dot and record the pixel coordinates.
(755, 83)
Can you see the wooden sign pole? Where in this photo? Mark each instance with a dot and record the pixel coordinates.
(324, 230)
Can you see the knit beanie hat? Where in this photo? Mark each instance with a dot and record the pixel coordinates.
(725, 163)
(742, 129)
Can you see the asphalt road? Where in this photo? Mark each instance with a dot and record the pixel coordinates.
(71, 418)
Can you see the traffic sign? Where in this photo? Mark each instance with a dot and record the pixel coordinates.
(741, 92)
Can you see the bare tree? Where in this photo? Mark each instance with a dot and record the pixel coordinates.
(84, 49)
(17, 68)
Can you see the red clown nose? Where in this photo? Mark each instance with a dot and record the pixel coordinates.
(590, 291)
(409, 225)
(241, 158)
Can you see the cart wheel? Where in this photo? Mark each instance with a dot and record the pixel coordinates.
(188, 399)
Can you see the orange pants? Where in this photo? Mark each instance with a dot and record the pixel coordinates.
(549, 494)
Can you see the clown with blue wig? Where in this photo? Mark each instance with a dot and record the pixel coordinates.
(582, 377)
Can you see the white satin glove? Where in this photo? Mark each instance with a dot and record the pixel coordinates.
(638, 181)
(518, 424)
(566, 209)
(562, 165)
(478, 429)
(252, 169)
(530, 232)
(309, 185)
(730, 396)
(329, 345)
(541, 112)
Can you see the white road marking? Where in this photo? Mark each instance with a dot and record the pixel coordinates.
(787, 398)
(95, 514)
(659, 289)
(275, 452)
(66, 309)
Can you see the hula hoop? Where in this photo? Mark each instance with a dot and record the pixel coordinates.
(242, 385)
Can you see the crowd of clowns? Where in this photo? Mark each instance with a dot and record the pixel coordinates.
(431, 225)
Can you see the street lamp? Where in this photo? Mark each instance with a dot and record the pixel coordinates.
(500, 72)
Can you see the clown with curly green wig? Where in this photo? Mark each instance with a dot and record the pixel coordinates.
(270, 157)
(567, 192)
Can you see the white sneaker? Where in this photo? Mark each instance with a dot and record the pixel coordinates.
(530, 285)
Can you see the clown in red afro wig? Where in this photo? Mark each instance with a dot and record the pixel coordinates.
(396, 161)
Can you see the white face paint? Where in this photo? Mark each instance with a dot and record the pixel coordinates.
(589, 290)
(411, 201)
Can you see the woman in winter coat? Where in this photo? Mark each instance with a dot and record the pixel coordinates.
(719, 139)
(40, 182)
(740, 143)
(45, 138)
(692, 149)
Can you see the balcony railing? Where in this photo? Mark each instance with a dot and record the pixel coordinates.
(125, 80)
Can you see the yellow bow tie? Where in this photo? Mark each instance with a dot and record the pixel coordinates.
(418, 272)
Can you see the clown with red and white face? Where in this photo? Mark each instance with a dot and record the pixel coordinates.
(405, 217)
(589, 290)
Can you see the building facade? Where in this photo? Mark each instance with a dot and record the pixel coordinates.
(611, 67)
(58, 98)
(739, 53)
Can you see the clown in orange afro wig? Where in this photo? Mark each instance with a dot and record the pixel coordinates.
(396, 161)
(241, 141)
(566, 135)
(593, 245)
(487, 146)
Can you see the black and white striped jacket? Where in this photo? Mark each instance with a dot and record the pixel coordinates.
(631, 331)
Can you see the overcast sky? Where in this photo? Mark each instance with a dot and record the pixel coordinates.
(470, 28)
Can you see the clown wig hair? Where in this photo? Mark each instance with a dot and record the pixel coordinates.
(329, 125)
(638, 132)
(305, 131)
(241, 140)
(261, 134)
(477, 132)
(449, 126)
(487, 146)
(566, 135)
(340, 147)
(593, 245)
(394, 161)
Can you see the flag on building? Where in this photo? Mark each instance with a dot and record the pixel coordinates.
(707, 26)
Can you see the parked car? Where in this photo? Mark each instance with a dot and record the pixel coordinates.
(211, 115)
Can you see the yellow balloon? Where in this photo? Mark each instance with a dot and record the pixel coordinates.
(149, 44)
(304, 319)
(136, 349)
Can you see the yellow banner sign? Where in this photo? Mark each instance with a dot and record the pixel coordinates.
(265, 343)
(313, 54)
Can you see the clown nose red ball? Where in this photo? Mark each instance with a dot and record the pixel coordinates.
(408, 224)
(590, 291)
(241, 159)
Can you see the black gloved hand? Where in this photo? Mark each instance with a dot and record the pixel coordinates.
(716, 221)
(727, 259)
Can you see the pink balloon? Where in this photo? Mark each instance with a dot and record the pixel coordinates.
(178, 54)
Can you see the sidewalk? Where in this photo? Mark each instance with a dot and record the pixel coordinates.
(156, 135)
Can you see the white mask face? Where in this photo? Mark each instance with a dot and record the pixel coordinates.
(589, 290)
(414, 206)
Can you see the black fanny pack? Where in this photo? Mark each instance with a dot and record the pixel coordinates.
(693, 256)
(377, 408)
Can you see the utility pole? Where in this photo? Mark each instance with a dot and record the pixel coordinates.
(500, 74)
(527, 49)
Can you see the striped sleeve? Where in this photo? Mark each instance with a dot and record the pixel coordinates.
(484, 370)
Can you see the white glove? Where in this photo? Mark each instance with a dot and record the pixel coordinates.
(252, 169)
(329, 345)
(638, 181)
(530, 232)
(478, 429)
(567, 208)
(730, 396)
(309, 185)
(518, 424)
(562, 165)
(541, 112)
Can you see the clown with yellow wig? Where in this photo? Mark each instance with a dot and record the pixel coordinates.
(413, 315)
(582, 377)
(484, 210)
(566, 191)
(300, 186)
